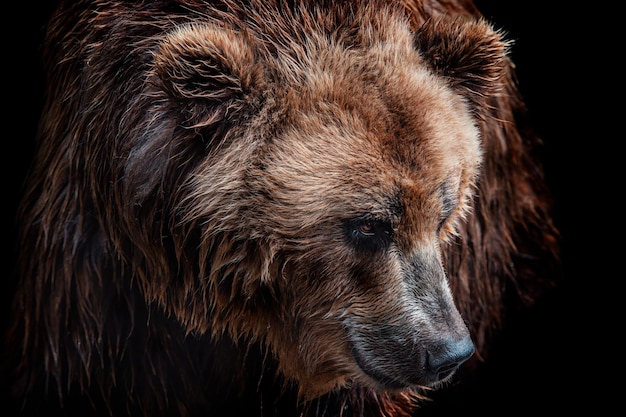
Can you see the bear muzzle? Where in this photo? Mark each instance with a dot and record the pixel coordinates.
(415, 337)
(396, 363)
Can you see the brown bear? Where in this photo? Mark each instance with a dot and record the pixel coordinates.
(270, 207)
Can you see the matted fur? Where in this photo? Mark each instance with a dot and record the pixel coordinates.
(199, 164)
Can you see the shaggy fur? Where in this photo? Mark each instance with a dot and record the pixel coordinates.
(267, 208)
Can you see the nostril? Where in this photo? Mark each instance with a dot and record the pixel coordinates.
(443, 361)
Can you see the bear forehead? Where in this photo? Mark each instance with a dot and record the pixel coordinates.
(403, 117)
(375, 99)
(413, 154)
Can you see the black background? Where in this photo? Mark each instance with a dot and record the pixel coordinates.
(555, 359)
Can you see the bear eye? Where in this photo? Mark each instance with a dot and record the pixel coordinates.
(369, 234)
(366, 228)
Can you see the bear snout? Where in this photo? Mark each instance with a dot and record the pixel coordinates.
(394, 358)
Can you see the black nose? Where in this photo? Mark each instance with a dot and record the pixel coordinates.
(446, 358)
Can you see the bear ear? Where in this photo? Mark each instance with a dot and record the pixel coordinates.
(469, 53)
(206, 71)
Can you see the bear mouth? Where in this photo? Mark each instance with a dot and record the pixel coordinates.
(386, 377)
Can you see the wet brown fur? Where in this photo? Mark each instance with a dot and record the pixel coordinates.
(182, 245)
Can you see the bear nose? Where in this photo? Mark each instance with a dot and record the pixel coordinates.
(446, 358)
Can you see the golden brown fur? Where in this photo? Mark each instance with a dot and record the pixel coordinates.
(267, 207)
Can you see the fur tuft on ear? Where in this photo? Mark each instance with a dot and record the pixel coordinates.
(206, 70)
(468, 52)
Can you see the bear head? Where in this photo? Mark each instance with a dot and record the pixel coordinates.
(339, 152)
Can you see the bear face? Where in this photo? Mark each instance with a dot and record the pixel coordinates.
(352, 161)
(303, 176)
